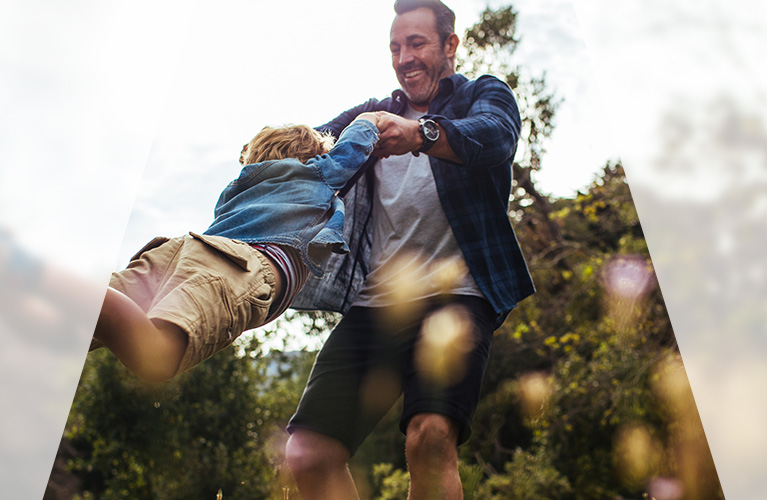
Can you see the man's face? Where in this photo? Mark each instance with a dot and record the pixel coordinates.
(418, 57)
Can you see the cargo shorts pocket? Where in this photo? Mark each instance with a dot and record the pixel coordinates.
(239, 253)
(249, 292)
(204, 303)
(214, 299)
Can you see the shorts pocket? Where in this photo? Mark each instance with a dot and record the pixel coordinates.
(239, 253)
(214, 329)
(215, 304)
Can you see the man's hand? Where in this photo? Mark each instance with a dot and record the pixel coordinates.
(398, 135)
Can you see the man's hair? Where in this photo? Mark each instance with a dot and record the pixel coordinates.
(444, 16)
(290, 141)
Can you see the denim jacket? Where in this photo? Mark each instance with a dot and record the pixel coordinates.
(482, 124)
(290, 203)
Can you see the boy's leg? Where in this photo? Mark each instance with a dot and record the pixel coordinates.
(182, 300)
(150, 348)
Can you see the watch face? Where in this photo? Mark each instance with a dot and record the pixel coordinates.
(430, 130)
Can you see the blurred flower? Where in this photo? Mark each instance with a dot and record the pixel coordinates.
(381, 387)
(694, 465)
(627, 279)
(636, 454)
(402, 280)
(446, 339)
(628, 276)
(665, 488)
(533, 391)
(447, 274)
(671, 386)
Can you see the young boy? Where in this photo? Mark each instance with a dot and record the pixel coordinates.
(181, 300)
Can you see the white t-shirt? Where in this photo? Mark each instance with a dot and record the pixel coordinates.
(412, 238)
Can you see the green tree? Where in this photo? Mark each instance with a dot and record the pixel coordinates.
(218, 427)
(577, 390)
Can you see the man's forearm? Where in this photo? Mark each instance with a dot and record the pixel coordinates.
(442, 149)
(401, 136)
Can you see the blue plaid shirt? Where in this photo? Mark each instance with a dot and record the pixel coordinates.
(481, 120)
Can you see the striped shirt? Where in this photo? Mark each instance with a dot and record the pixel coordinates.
(294, 273)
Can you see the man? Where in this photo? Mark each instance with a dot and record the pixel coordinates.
(438, 193)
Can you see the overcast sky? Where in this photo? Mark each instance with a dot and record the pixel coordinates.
(244, 65)
(157, 98)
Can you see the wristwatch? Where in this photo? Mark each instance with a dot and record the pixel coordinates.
(429, 132)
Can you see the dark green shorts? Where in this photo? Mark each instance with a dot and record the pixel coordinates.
(369, 361)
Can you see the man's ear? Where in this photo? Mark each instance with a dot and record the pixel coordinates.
(451, 45)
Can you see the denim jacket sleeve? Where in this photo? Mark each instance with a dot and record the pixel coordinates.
(339, 123)
(488, 129)
(350, 152)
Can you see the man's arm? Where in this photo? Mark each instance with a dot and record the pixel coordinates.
(401, 136)
(485, 137)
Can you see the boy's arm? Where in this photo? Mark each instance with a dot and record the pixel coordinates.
(339, 123)
(353, 148)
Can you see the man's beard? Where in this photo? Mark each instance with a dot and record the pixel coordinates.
(424, 92)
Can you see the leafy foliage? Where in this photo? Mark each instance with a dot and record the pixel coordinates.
(219, 426)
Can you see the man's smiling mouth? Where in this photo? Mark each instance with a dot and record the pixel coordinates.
(413, 73)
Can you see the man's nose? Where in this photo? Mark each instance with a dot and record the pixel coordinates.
(405, 56)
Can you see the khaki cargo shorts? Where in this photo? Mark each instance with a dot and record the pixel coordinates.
(213, 288)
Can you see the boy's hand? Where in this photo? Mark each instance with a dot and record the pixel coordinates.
(369, 116)
(398, 135)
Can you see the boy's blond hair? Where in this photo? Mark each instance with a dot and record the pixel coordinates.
(290, 141)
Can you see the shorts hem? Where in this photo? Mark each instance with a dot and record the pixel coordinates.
(326, 431)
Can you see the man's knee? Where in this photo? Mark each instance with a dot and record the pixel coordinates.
(309, 453)
(431, 434)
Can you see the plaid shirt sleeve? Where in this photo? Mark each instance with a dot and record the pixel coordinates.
(487, 133)
(482, 124)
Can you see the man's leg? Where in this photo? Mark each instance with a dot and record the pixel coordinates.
(320, 467)
(151, 349)
(346, 395)
(432, 458)
(437, 411)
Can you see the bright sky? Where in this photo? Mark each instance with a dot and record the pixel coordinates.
(157, 98)
(227, 85)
